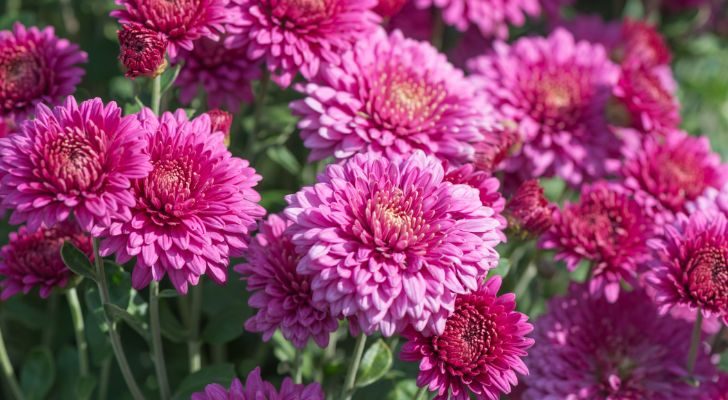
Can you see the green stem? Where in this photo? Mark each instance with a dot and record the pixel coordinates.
(438, 28)
(156, 94)
(12, 8)
(298, 367)
(421, 393)
(260, 99)
(525, 280)
(78, 329)
(157, 347)
(50, 332)
(8, 372)
(695, 342)
(113, 332)
(194, 345)
(716, 339)
(104, 379)
(348, 391)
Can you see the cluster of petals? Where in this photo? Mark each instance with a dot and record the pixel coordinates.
(192, 212)
(36, 67)
(391, 243)
(479, 352)
(529, 211)
(487, 185)
(300, 35)
(256, 388)
(282, 296)
(142, 50)
(648, 97)
(390, 96)
(712, 202)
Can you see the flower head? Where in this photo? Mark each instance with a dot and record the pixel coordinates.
(36, 67)
(181, 21)
(529, 210)
(713, 201)
(490, 16)
(391, 243)
(479, 351)
(388, 8)
(496, 147)
(33, 259)
(555, 89)
(221, 121)
(642, 44)
(300, 35)
(193, 211)
(391, 96)
(487, 186)
(606, 227)
(74, 159)
(589, 348)
(142, 51)
(257, 389)
(648, 99)
(281, 295)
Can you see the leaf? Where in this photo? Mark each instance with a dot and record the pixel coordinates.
(69, 384)
(85, 387)
(172, 329)
(119, 283)
(375, 364)
(283, 349)
(77, 261)
(168, 294)
(169, 76)
(283, 157)
(221, 373)
(118, 314)
(37, 374)
(273, 200)
(224, 327)
(403, 390)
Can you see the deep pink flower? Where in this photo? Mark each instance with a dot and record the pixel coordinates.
(479, 351)
(413, 22)
(391, 243)
(142, 51)
(529, 211)
(7, 126)
(223, 74)
(691, 265)
(75, 158)
(713, 201)
(648, 99)
(193, 211)
(300, 35)
(390, 96)
(36, 66)
(496, 147)
(490, 16)
(589, 348)
(221, 121)
(388, 8)
(555, 90)
(608, 228)
(281, 295)
(718, 390)
(33, 259)
(257, 389)
(181, 21)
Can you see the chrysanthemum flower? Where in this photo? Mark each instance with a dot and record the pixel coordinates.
(75, 158)
(529, 211)
(487, 186)
(648, 99)
(691, 265)
(496, 147)
(282, 296)
(388, 8)
(390, 96)
(257, 389)
(221, 121)
(33, 259)
(490, 16)
(390, 243)
(193, 211)
(36, 66)
(608, 228)
(480, 350)
(223, 74)
(555, 90)
(589, 348)
(142, 51)
(300, 35)
(413, 22)
(181, 21)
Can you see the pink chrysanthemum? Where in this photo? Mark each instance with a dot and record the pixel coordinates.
(413, 22)
(391, 243)
(33, 259)
(608, 228)
(181, 21)
(390, 96)
(76, 158)
(388, 8)
(529, 211)
(257, 389)
(556, 90)
(588, 348)
(36, 67)
(142, 51)
(282, 296)
(480, 350)
(691, 265)
(647, 97)
(712, 202)
(490, 16)
(223, 74)
(487, 186)
(221, 121)
(300, 35)
(496, 147)
(193, 211)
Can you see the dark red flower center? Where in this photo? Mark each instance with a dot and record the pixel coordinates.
(557, 96)
(73, 160)
(396, 221)
(168, 190)
(680, 178)
(21, 76)
(172, 17)
(707, 272)
(300, 14)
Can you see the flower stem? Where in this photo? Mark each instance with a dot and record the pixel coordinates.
(156, 94)
(421, 393)
(113, 333)
(695, 342)
(260, 99)
(297, 367)
(193, 345)
(438, 29)
(8, 372)
(78, 328)
(104, 379)
(348, 390)
(157, 347)
(526, 278)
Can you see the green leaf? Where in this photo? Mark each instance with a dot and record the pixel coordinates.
(119, 283)
(403, 390)
(85, 387)
(221, 373)
(77, 261)
(169, 76)
(282, 348)
(118, 314)
(375, 364)
(172, 329)
(283, 157)
(273, 200)
(37, 374)
(168, 294)
(224, 327)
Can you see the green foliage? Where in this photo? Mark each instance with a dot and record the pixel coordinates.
(375, 363)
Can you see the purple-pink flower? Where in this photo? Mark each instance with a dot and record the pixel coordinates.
(73, 159)
(490, 16)
(257, 389)
(36, 67)
(300, 35)
(390, 96)
(647, 97)
(391, 243)
(281, 295)
(193, 211)
(529, 211)
(142, 51)
(487, 186)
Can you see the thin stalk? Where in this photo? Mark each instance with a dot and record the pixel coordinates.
(78, 329)
(695, 342)
(421, 393)
(157, 348)
(113, 332)
(194, 345)
(156, 94)
(298, 367)
(260, 99)
(49, 333)
(12, 8)
(438, 29)
(348, 391)
(526, 278)
(8, 372)
(716, 339)
(104, 379)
